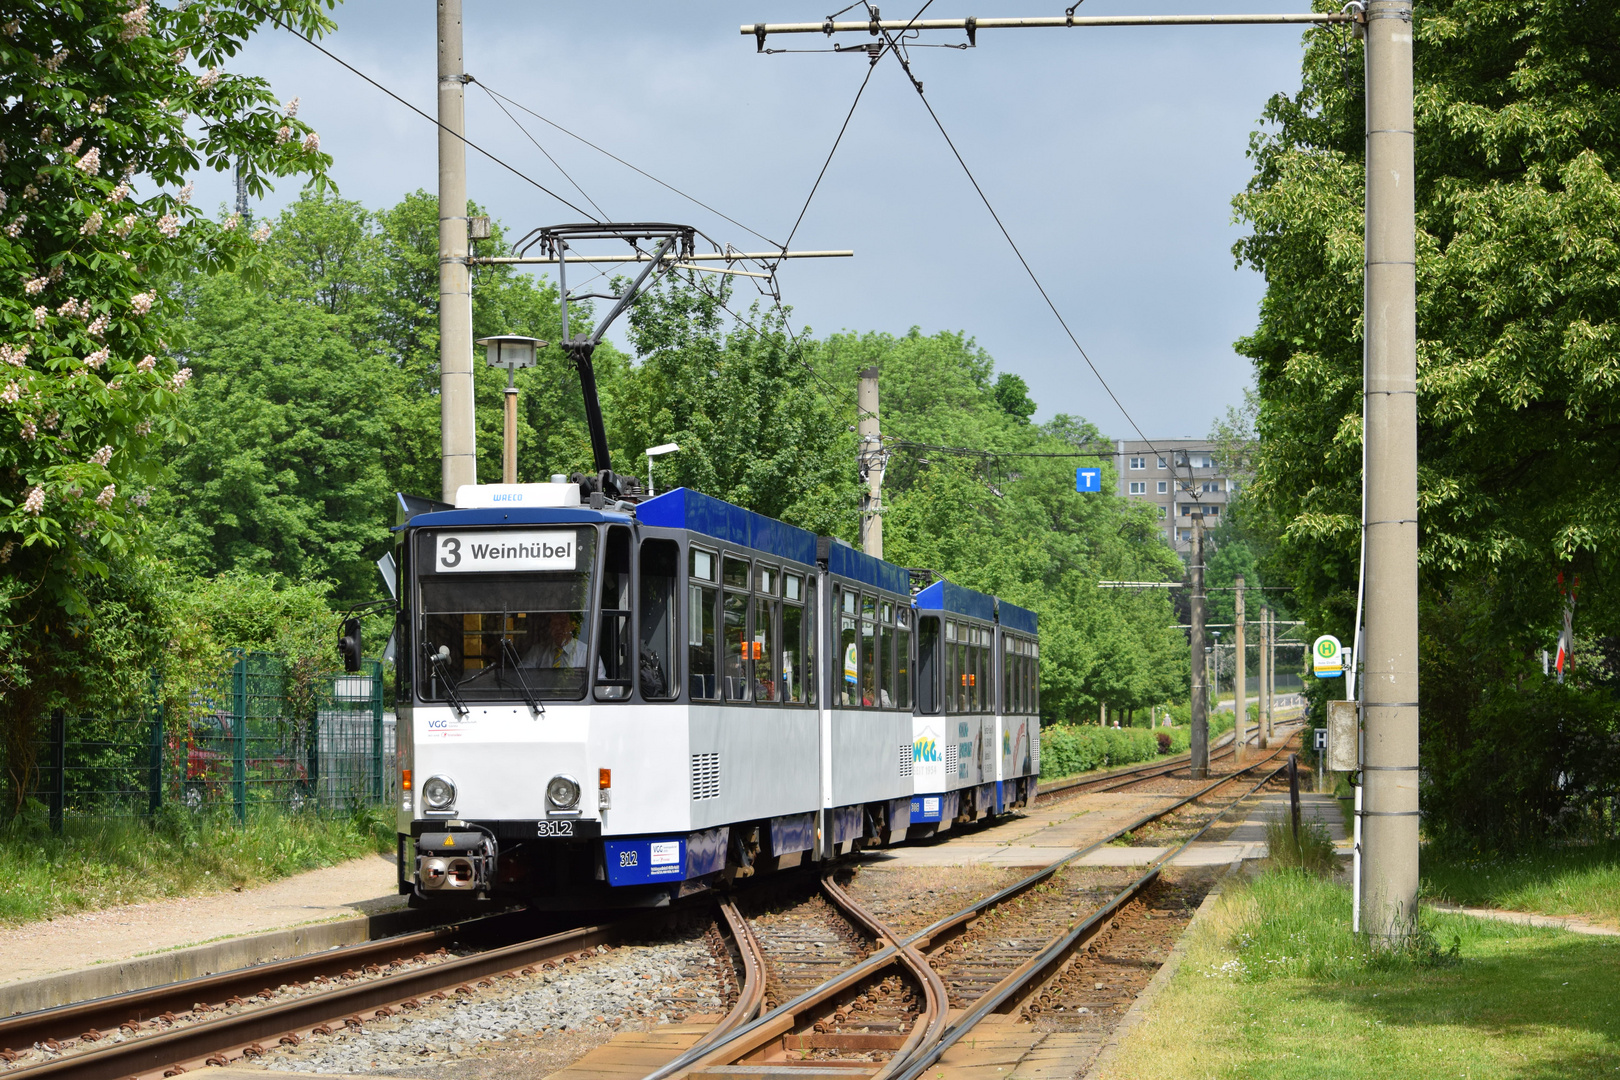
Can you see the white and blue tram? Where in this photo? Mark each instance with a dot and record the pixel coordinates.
(603, 703)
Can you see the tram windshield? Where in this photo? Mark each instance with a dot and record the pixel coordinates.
(495, 627)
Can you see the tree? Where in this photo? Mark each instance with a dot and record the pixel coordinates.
(1518, 315)
(101, 99)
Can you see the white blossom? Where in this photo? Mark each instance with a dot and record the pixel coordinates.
(92, 224)
(142, 302)
(4, 198)
(14, 230)
(40, 315)
(169, 225)
(56, 59)
(119, 193)
(97, 358)
(5, 552)
(35, 503)
(134, 23)
(147, 363)
(122, 229)
(181, 377)
(35, 286)
(10, 394)
(292, 108)
(73, 147)
(98, 326)
(185, 194)
(231, 222)
(99, 106)
(15, 355)
(143, 428)
(312, 143)
(102, 456)
(262, 233)
(51, 419)
(208, 78)
(29, 431)
(142, 498)
(179, 55)
(283, 133)
(105, 499)
(90, 164)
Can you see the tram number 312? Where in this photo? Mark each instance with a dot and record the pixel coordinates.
(556, 828)
(628, 858)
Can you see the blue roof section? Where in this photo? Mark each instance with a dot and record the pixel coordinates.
(848, 562)
(516, 515)
(944, 595)
(684, 508)
(1014, 617)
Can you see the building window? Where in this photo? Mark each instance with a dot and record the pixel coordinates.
(1164, 511)
(1213, 486)
(1162, 464)
(1212, 510)
(1163, 485)
(1138, 462)
(1138, 487)
(1186, 536)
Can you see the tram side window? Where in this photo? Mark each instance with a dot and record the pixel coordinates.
(700, 626)
(849, 693)
(734, 610)
(928, 661)
(886, 687)
(660, 680)
(792, 658)
(1035, 678)
(902, 659)
(952, 668)
(810, 650)
(763, 650)
(613, 665)
(871, 635)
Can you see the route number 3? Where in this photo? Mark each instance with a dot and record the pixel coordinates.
(450, 551)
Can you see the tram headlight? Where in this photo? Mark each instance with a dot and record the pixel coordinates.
(439, 793)
(562, 793)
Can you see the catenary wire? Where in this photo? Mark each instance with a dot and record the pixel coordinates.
(432, 120)
(538, 147)
(1007, 235)
(633, 168)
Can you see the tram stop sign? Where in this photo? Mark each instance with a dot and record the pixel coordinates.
(1327, 657)
(1087, 480)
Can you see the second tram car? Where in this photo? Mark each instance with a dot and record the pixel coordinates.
(603, 703)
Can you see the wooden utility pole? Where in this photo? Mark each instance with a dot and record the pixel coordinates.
(1240, 700)
(1200, 664)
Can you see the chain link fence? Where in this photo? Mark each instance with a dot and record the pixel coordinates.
(259, 742)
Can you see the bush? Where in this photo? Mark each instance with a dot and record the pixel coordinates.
(1164, 741)
(1069, 749)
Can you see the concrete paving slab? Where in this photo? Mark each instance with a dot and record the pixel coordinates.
(1323, 809)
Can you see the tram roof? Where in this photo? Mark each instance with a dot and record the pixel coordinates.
(948, 596)
(851, 562)
(684, 508)
(514, 515)
(1014, 617)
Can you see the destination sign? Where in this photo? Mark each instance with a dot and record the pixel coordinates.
(483, 552)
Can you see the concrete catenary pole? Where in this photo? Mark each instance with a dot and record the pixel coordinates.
(1389, 681)
(1200, 690)
(1264, 702)
(1240, 686)
(458, 450)
(871, 452)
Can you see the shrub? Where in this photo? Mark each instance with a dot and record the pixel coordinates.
(1164, 741)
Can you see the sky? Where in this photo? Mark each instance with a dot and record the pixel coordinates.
(1110, 154)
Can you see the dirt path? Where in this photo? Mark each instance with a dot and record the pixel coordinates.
(70, 942)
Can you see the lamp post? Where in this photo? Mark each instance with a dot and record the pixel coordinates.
(510, 352)
(652, 452)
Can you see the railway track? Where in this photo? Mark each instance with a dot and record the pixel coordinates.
(884, 1003)
(1118, 779)
(891, 1015)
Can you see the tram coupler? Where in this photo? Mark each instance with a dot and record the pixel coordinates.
(455, 862)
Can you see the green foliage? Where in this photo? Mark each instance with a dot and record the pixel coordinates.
(1310, 851)
(1067, 749)
(102, 863)
(1518, 310)
(1569, 879)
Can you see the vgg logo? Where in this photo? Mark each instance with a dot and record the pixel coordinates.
(924, 750)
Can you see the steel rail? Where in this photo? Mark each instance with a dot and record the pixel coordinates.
(1033, 971)
(930, 1025)
(220, 1040)
(84, 1017)
(784, 1018)
(751, 998)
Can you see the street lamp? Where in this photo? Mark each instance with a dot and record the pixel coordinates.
(510, 352)
(657, 451)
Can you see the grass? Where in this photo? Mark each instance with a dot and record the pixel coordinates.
(102, 863)
(1274, 986)
(1311, 851)
(1576, 879)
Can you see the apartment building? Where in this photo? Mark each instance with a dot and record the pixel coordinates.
(1174, 475)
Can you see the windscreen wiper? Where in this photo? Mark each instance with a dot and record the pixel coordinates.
(436, 659)
(511, 655)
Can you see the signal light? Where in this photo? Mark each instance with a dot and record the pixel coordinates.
(404, 779)
(604, 778)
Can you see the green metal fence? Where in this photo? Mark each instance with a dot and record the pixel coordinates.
(257, 742)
